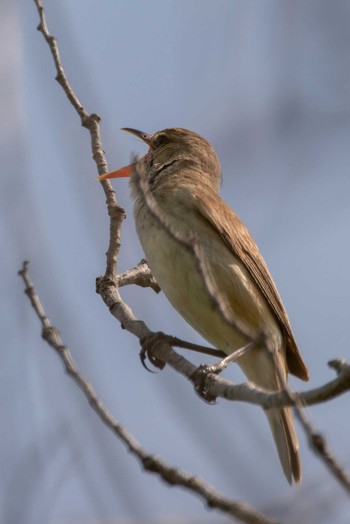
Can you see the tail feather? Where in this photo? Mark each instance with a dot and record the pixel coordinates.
(281, 424)
(260, 370)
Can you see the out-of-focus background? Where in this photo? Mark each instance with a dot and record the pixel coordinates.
(268, 84)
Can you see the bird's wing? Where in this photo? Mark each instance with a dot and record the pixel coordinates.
(238, 239)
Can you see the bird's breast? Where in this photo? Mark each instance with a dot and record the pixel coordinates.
(180, 276)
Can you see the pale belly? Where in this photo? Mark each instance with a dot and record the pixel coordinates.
(178, 273)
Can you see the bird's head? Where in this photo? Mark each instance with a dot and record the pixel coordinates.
(177, 147)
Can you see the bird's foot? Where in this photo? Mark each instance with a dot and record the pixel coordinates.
(148, 344)
(200, 381)
(200, 375)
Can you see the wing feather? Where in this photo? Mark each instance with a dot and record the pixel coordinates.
(238, 239)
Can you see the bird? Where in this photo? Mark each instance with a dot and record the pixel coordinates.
(183, 174)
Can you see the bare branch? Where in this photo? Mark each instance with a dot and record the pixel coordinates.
(140, 275)
(321, 448)
(152, 463)
(91, 122)
(316, 441)
(247, 393)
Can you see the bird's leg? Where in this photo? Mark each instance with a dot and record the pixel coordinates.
(149, 340)
(200, 374)
(178, 342)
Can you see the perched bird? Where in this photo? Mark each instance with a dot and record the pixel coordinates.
(183, 175)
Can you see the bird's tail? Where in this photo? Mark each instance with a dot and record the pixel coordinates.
(282, 427)
(259, 368)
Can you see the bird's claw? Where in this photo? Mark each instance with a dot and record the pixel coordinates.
(199, 378)
(147, 344)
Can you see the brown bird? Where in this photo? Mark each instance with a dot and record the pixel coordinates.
(183, 175)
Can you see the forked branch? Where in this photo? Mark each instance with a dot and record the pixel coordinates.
(152, 463)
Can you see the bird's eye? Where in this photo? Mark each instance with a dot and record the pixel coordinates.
(161, 140)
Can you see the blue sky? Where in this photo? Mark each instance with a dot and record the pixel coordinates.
(268, 85)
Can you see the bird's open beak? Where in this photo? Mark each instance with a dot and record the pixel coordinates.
(145, 137)
(126, 170)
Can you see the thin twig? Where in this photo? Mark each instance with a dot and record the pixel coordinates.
(152, 463)
(140, 276)
(320, 446)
